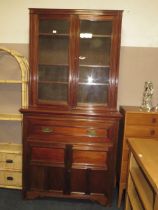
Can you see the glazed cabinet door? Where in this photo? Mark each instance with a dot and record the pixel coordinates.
(94, 61)
(50, 59)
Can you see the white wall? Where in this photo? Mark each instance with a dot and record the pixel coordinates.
(139, 27)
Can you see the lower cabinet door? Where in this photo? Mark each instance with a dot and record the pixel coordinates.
(46, 178)
(89, 181)
(69, 171)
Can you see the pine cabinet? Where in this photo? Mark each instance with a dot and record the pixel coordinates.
(71, 124)
(11, 165)
(135, 124)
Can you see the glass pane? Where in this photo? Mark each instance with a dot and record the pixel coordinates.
(94, 75)
(92, 94)
(94, 61)
(53, 82)
(95, 51)
(52, 92)
(53, 50)
(53, 73)
(96, 27)
(53, 69)
(54, 26)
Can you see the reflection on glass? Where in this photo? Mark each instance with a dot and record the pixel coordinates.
(92, 94)
(82, 57)
(90, 79)
(86, 35)
(98, 74)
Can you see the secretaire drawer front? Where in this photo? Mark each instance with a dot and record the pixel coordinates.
(77, 131)
(73, 131)
(98, 158)
(10, 161)
(141, 131)
(47, 155)
(142, 119)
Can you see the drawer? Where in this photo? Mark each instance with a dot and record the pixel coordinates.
(10, 179)
(141, 131)
(61, 121)
(72, 131)
(77, 132)
(69, 156)
(98, 158)
(10, 161)
(48, 155)
(142, 119)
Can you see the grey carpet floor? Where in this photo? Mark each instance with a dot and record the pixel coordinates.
(12, 200)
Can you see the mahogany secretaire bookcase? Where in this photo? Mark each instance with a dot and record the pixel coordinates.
(70, 127)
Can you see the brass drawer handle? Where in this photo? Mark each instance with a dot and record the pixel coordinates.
(47, 130)
(91, 132)
(152, 132)
(9, 161)
(154, 120)
(10, 178)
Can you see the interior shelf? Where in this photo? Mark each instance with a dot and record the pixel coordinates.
(11, 82)
(80, 65)
(53, 82)
(99, 84)
(67, 35)
(53, 34)
(14, 117)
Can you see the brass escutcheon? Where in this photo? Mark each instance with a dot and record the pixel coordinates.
(47, 130)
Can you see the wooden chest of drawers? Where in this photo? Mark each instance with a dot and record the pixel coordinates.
(135, 124)
(142, 187)
(69, 156)
(10, 165)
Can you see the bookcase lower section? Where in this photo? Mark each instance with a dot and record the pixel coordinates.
(69, 157)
